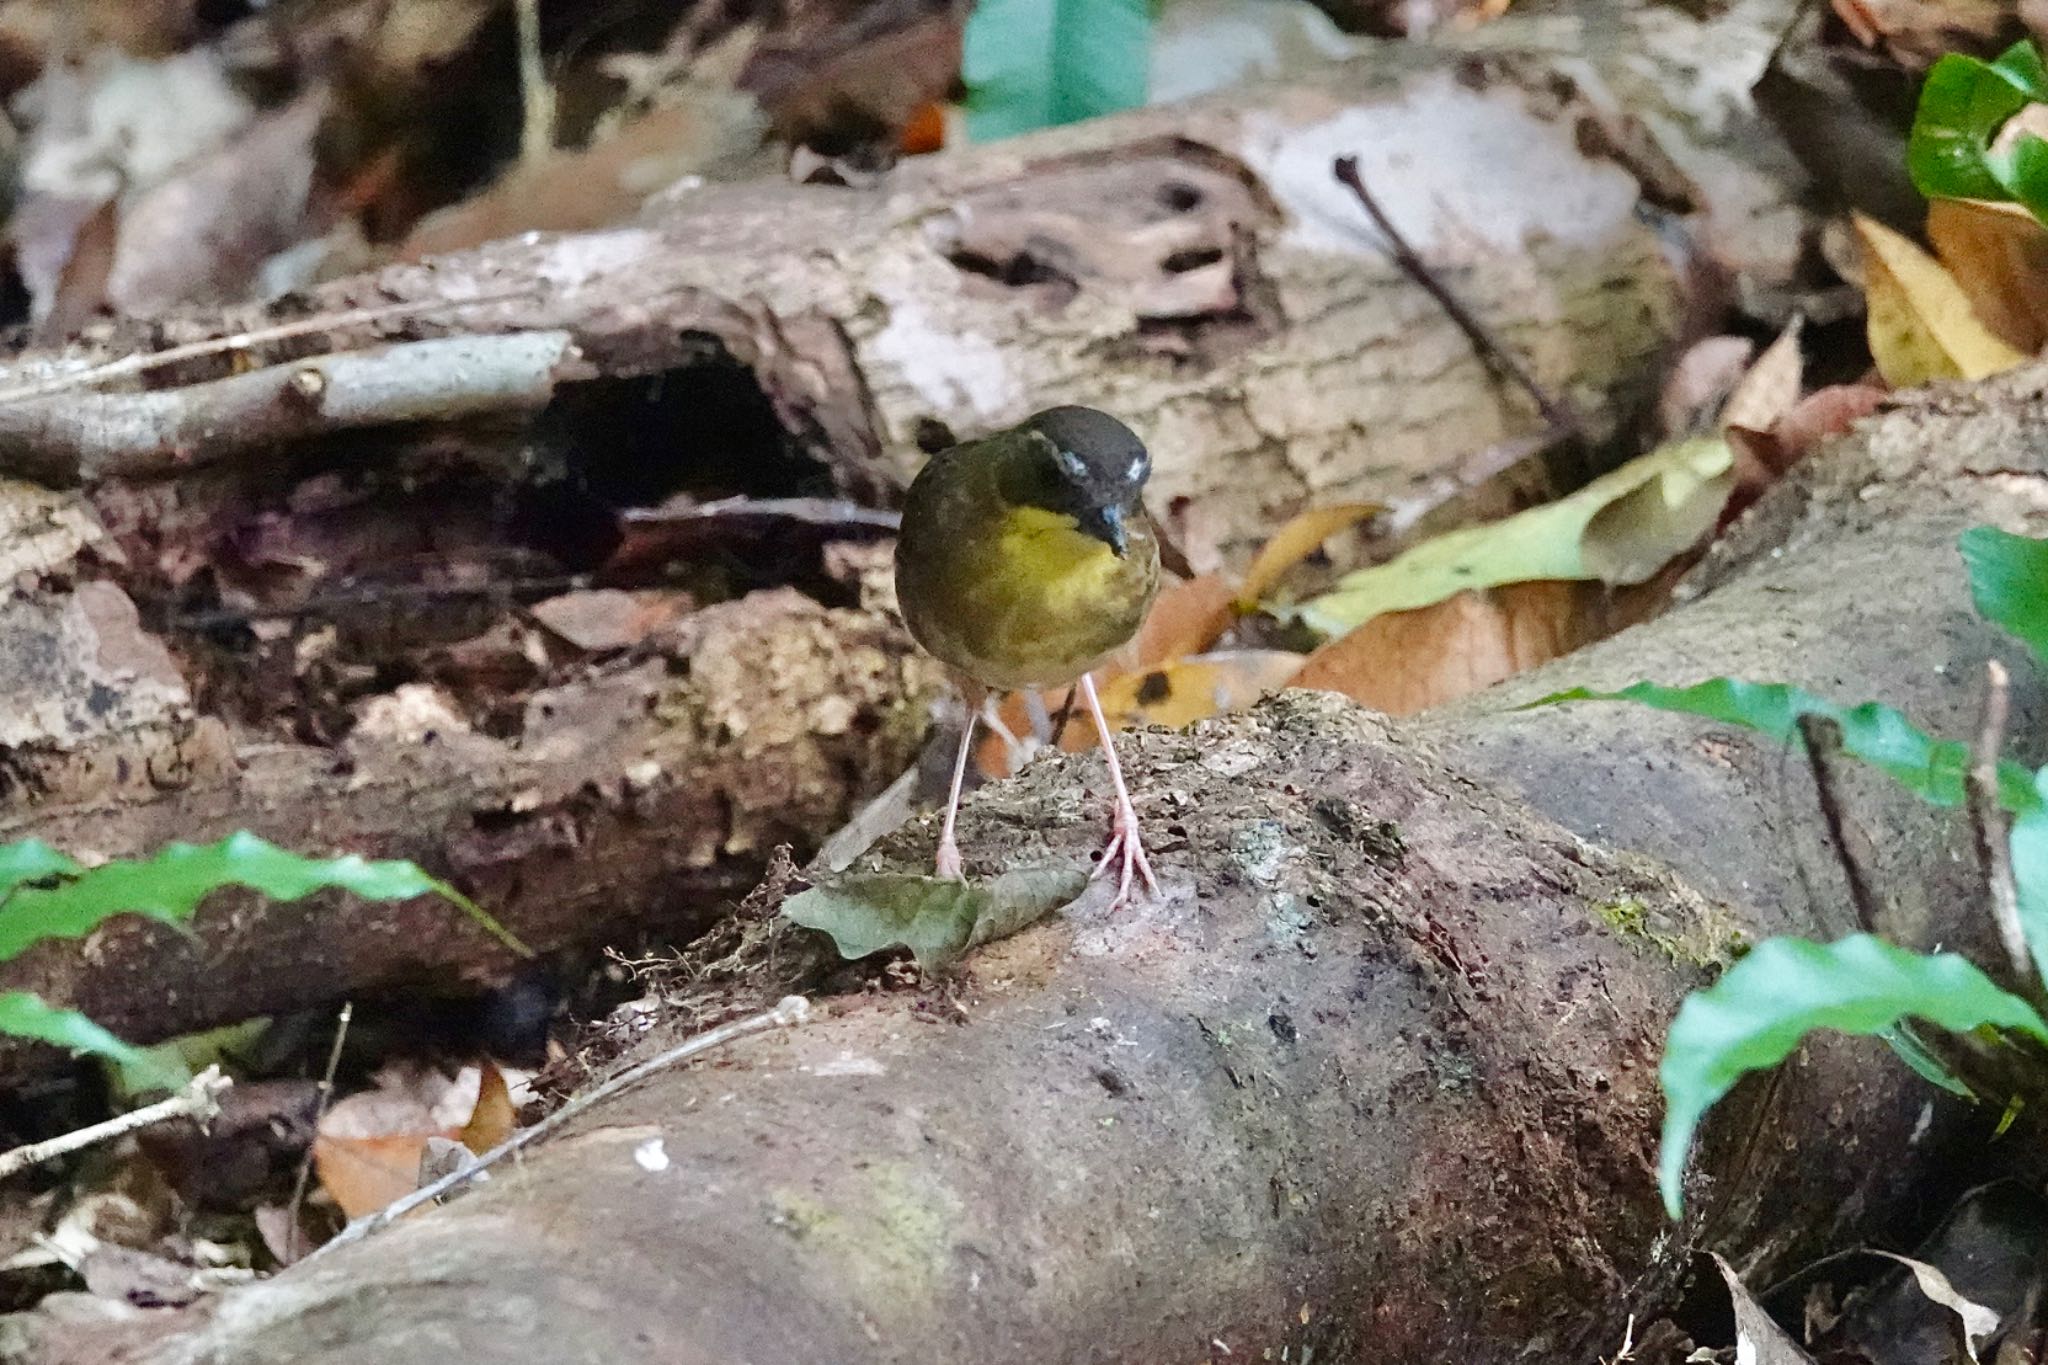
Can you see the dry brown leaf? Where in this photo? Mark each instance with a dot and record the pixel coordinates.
(367, 1150)
(1914, 33)
(495, 1116)
(1998, 253)
(1302, 535)
(1700, 383)
(1762, 456)
(600, 185)
(599, 619)
(1771, 386)
(1403, 661)
(1921, 326)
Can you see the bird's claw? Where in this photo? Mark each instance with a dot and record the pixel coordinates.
(1126, 853)
(946, 867)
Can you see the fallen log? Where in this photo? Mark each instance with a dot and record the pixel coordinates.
(1196, 269)
(1374, 1082)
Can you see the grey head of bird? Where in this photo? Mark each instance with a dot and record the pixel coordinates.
(1086, 464)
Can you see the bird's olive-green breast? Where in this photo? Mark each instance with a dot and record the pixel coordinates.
(1027, 556)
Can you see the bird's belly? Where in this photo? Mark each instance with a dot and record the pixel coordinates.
(1047, 605)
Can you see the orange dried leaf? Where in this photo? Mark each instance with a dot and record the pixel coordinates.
(495, 1116)
(1998, 253)
(365, 1174)
(1188, 617)
(1301, 537)
(1187, 690)
(1403, 661)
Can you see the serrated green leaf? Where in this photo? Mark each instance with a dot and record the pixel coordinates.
(170, 886)
(25, 1014)
(2009, 583)
(1041, 63)
(1621, 528)
(1878, 735)
(1786, 988)
(936, 918)
(31, 860)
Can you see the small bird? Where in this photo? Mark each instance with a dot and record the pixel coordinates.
(1025, 559)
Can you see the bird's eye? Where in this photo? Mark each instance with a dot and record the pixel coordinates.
(1073, 464)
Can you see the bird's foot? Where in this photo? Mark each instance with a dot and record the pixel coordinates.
(946, 866)
(1126, 853)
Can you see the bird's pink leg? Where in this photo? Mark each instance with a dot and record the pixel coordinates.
(1126, 850)
(948, 862)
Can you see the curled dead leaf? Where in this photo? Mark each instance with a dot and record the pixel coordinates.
(1921, 325)
(1998, 253)
(1401, 662)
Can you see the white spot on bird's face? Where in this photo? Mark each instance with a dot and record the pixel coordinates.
(1137, 470)
(1072, 463)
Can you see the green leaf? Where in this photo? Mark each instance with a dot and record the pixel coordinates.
(27, 1015)
(2028, 842)
(936, 918)
(31, 860)
(1041, 63)
(1786, 988)
(2009, 583)
(170, 886)
(1903, 1042)
(1621, 528)
(1963, 104)
(1878, 735)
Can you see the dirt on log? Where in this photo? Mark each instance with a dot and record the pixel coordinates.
(1376, 1080)
(1195, 269)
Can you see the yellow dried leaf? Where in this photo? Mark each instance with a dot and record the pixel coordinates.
(1296, 541)
(1921, 325)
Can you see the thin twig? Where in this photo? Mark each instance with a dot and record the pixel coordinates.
(291, 1236)
(792, 1010)
(1987, 820)
(243, 341)
(1823, 741)
(1555, 411)
(198, 1100)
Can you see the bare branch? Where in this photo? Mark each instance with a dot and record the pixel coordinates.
(198, 1100)
(71, 439)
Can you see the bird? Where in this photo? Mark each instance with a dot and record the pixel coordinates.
(1025, 559)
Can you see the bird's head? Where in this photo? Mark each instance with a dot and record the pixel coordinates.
(1086, 464)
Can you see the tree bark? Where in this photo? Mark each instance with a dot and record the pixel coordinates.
(1377, 1079)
